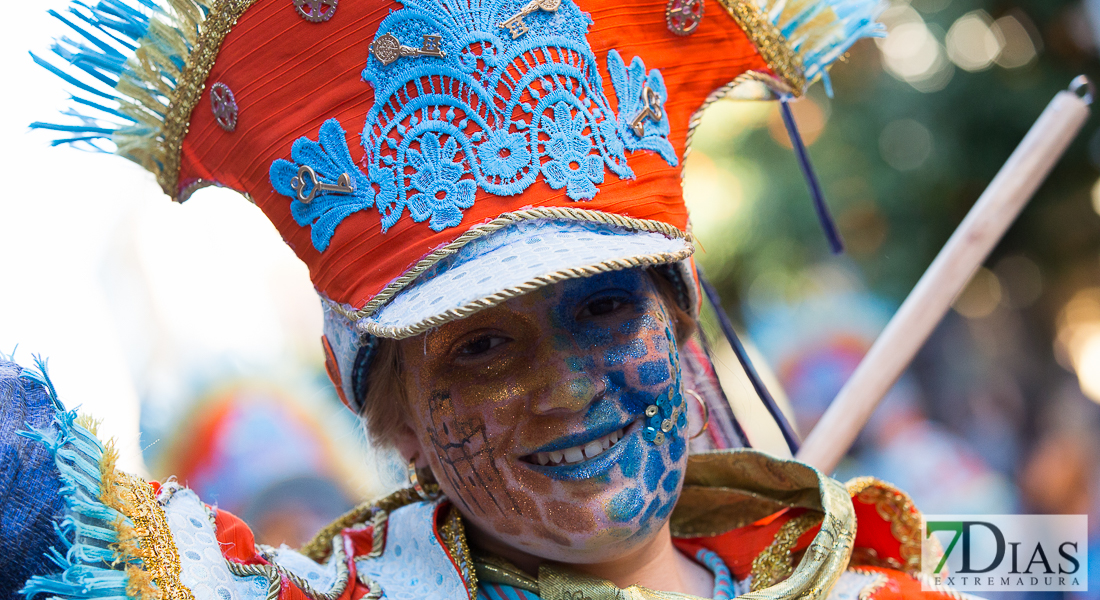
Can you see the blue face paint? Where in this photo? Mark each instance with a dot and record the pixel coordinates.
(654, 469)
(654, 372)
(585, 360)
(625, 505)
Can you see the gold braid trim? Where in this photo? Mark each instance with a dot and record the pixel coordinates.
(769, 41)
(223, 16)
(775, 563)
(484, 229)
(274, 574)
(146, 537)
(320, 546)
(895, 507)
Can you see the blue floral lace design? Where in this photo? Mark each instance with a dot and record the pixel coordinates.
(492, 111)
(628, 82)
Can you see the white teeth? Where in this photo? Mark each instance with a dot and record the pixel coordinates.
(578, 454)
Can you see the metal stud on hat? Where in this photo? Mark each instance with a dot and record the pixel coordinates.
(224, 106)
(683, 16)
(316, 11)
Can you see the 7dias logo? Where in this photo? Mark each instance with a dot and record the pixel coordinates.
(1000, 553)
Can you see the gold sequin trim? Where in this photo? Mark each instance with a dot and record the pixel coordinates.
(896, 508)
(217, 24)
(769, 41)
(454, 538)
(775, 563)
(148, 539)
(504, 220)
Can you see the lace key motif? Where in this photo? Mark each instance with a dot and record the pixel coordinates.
(496, 106)
(516, 25)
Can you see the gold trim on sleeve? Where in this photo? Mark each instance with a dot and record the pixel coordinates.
(775, 563)
(146, 537)
(895, 507)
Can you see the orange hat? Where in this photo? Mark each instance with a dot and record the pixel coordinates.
(430, 158)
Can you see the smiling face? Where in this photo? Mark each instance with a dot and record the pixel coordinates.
(542, 417)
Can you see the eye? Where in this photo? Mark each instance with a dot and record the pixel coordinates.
(481, 345)
(601, 306)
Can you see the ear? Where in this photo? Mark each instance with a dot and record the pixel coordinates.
(408, 445)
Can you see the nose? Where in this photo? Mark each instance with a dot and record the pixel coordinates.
(567, 394)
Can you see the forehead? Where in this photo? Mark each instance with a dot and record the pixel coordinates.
(577, 290)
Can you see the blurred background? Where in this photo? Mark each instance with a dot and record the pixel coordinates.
(193, 332)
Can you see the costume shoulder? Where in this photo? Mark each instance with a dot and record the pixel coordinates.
(73, 526)
(775, 521)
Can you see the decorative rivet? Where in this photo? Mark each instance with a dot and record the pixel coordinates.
(683, 16)
(316, 11)
(224, 106)
(387, 48)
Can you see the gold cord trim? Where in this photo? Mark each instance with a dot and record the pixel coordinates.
(896, 508)
(146, 537)
(484, 229)
(320, 546)
(769, 41)
(274, 574)
(775, 563)
(223, 16)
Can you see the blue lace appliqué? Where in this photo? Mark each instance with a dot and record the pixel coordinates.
(329, 158)
(628, 83)
(488, 111)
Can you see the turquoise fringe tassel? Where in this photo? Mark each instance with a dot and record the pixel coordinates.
(855, 19)
(87, 569)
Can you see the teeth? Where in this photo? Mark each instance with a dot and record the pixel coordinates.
(578, 454)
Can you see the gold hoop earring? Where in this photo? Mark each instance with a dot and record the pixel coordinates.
(431, 493)
(706, 412)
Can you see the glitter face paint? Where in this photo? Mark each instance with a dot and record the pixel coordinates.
(570, 367)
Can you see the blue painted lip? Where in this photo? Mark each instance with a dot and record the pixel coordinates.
(592, 467)
(580, 439)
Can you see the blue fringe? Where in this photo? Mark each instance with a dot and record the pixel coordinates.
(855, 19)
(87, 566)
(106, 34)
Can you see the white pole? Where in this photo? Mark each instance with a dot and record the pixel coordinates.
(968, 247)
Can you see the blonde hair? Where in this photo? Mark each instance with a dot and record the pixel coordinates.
(384, 406)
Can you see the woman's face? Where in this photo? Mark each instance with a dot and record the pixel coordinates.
(533, 416)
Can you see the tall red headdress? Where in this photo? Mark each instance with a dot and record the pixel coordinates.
(430, 158)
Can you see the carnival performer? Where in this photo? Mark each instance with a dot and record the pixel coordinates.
(487, 194)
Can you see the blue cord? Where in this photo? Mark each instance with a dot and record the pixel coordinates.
(757, 384)
(827, 223)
